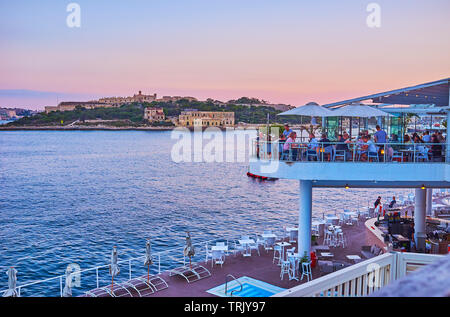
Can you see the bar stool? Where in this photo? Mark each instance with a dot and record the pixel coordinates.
(276, 249)
(328, 240)
(292, 267)
(285, 264)
(341, 239)
(306, 268)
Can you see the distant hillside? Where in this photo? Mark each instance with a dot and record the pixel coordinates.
(134, 113)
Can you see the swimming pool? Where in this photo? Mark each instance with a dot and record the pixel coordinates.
(250, 288)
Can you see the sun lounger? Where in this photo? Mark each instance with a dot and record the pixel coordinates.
(191, 274)
(117, 291)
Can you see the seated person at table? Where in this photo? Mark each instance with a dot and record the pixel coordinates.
(436, 149)
(327, 148)
(288, 145)
(313, 145)
(369, 147)
(344, 141)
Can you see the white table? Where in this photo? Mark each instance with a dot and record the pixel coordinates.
(282, 245)
(223, 248)
(268, 235)
(245, 244)
(354, 258)
(326, 254)
(331, 219)
(292, 231)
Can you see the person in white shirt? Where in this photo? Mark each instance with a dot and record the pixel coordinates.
(369, 146)
(288, 145)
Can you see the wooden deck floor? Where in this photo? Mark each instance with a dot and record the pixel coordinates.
(260, 267)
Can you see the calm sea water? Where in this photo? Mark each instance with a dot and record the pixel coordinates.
(68, 197)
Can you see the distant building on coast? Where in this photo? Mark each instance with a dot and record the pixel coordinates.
(124, 100)
(193, 117)
(72, 105)
(154, 114)
(280, 107)
(109, 102)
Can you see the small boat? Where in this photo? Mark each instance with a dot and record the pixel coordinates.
(264, 178)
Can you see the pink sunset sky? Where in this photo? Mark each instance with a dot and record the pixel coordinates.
(282, 51)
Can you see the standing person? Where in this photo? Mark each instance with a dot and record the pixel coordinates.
(393, 202)
(426, 137)
(377, 202)
(287, 131)
(380, 136)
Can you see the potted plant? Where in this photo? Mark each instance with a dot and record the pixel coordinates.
(314, 239)
(303, 259)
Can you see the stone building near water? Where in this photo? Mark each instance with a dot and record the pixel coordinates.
(193, 117)
(154, 114)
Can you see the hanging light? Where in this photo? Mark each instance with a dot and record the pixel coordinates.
(423, 187)
(346, 186)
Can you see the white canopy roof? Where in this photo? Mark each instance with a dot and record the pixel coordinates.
(359, 110)
(311, 109)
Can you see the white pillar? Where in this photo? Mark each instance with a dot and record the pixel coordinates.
(304, 218)
(447, 148)
(420, 218)
(430, 202)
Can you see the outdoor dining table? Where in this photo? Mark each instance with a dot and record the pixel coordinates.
(331, 219)
(292, 233)
(282, 245)
(326, 255)
(354, 258)
(223, 248)
(267, 236)
(245, 244)
(410, 154)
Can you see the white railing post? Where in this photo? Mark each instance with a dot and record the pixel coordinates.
(159, 263)
(96, 275)
(129, 268)
(60, 286)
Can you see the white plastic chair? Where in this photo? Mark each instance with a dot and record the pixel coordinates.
(285, 265)
(238, 248)
(254, 246)
(218, 257)
(208, 253)
(269, 243)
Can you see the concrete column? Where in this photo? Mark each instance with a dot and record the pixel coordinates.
(447, 147)
(420, 219)
(304, 218)
(430, 202)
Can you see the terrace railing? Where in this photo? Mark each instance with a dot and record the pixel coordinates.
(349, 152)
(98, 276)
(363, 278)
